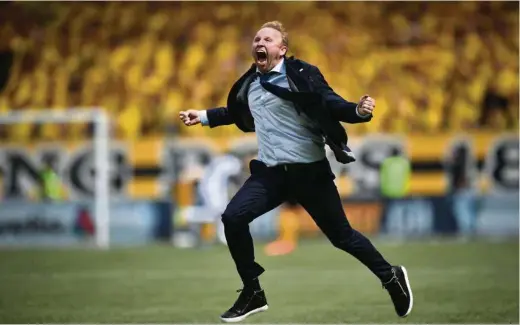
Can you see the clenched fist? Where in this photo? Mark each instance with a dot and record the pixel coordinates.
(190, 117)
(366, 105)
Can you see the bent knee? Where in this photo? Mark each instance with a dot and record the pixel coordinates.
(230, 219)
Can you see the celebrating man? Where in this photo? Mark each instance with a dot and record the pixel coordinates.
(295, 113)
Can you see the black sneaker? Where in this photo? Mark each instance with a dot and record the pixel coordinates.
(249, 302)
(400, 291)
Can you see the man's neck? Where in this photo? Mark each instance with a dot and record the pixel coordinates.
(276, 67)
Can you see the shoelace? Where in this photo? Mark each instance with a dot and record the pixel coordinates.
(239, 300)
(395, 280)
(389, 282)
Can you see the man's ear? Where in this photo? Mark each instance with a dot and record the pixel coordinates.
(283, 50)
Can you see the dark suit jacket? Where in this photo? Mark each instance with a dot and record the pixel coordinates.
(314, 97)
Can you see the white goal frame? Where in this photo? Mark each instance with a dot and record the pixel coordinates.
(100, 120)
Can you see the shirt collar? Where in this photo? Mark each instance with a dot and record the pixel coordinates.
(280, 67)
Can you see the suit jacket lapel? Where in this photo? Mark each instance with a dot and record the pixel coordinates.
(292, 85)
(249, 77)
(295, 76)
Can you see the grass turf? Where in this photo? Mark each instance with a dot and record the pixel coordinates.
(452, 283)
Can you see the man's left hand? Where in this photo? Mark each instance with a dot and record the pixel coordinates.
(366, 105)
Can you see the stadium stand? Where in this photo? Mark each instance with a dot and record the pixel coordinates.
(432, 66)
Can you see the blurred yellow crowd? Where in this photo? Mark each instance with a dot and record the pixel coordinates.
(429, 65)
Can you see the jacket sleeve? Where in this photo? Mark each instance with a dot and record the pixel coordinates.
(339, 108)
(218, 116)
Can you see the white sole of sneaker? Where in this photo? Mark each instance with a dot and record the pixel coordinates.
(241, 318)
(409, 289)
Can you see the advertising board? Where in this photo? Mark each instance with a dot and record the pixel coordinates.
(73, 223)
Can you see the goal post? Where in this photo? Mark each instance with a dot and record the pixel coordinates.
(101, 138)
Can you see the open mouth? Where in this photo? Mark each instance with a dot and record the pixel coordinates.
(261, 56)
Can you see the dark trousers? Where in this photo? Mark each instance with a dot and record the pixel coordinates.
(312, 186)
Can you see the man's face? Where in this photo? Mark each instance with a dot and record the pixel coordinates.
(267, 48)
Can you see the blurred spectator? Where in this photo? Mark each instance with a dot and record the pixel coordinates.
(464, 194)
(495, 105)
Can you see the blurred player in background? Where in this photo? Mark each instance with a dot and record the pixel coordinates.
(294, 113)
(289, 231)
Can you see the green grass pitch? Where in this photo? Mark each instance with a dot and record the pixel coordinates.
(452, 283)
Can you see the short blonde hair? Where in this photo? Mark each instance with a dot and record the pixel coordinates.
(275, 24)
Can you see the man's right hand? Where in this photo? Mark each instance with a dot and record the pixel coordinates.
(190, 117)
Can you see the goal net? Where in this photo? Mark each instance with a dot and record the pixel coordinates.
(55, 192)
